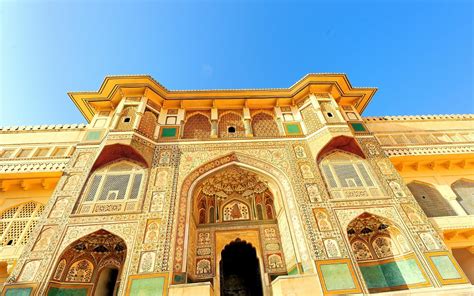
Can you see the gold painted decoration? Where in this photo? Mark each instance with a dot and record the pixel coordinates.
(233, 181)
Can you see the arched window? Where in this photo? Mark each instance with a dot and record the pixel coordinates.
(264, 125)
(464, 189)
(114, 184)
(348, 175)
(430, 200)
(231, 125)
(17, 223)
(197, 126)
(329, 112)
(127, 118)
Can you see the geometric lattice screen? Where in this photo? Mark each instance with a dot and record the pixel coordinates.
(17, 223)
(348, 176)
(115, 187)
(115, 182)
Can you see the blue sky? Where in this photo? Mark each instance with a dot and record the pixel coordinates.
(418, 53)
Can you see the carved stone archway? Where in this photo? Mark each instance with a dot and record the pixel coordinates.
(266, 169)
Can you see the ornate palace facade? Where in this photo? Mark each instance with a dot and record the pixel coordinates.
(237, 192)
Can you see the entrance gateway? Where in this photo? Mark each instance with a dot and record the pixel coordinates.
(240, 270)
(234, 232)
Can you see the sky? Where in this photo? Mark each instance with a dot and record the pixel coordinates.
(419, 54)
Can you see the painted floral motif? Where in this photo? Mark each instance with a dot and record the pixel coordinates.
(299, 152)
(157, 200)
(384, 247)
(204, 238)
(429, 241)
(270, 233)
(161, 180)
(332, 248)
(236, 210)
(397, 189)
(306, 171)
(71, 182)
(323, 220)
(82, 160)
(80, 271)
(275, 261)
(165, 157)
(403, 243)
(152, 233)
(413, 215)
(361, 251)
(384, 167)
(313, 192)
(60, 270)
(147, 262)
(203, 266)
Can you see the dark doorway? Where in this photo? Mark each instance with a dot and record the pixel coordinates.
(239, 270)
(107, 282)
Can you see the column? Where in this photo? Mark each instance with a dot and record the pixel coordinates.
(247, 122)
(214, 121)
(279, 121)
(319, 113)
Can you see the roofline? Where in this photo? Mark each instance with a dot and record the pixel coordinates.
(338, 83)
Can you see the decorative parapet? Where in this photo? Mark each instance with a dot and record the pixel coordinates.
(33, 166)
(453, 222)
(431, 150)
(28, 128)
(429, 137)
(419, 117)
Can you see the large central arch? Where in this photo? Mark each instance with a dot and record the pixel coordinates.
(281, 186)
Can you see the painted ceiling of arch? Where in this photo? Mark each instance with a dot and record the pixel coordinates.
(367, 225)
(100, 241)
(233, 181)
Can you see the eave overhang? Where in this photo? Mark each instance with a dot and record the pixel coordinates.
(114, 88)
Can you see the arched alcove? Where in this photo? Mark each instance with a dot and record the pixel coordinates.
(197, 126)
(148, 124)
(258, 191)
(341, 143)
(232, 194)
(384, 254)
(114, 152)
(90, 265)
(231, 124)
(264, 125)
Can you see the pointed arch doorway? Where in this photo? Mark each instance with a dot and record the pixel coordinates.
(240, 270)
(91, 265)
